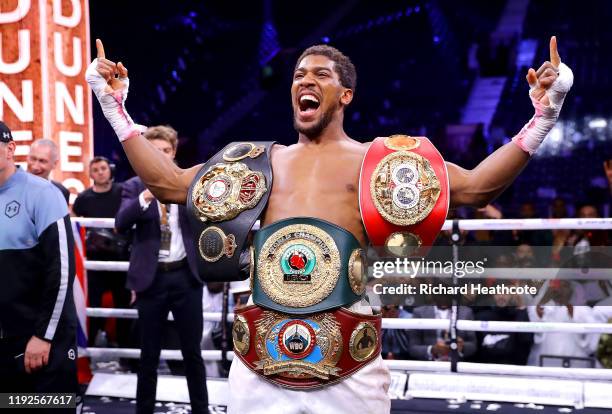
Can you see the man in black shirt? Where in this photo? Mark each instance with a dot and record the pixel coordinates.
(503, 347)
(102, 200)
(104, 197)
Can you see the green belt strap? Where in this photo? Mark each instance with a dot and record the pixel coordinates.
(302, 266)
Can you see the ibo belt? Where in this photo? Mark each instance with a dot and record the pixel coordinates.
(306, 265)
(225, 199)
(308, 351)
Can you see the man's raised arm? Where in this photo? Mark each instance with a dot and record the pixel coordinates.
(109, 82)
(548, 87)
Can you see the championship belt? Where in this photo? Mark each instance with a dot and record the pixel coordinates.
(403, 194)
(225, 199)
(308, 351)
(306, 265)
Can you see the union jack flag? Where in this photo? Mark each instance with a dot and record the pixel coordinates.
(81, 299)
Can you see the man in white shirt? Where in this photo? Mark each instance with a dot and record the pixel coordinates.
(163, 274)
(557, 306)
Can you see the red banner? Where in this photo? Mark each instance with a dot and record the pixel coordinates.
(44, 51)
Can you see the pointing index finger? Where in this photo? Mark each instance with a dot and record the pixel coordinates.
(555, 59)
(100, 48)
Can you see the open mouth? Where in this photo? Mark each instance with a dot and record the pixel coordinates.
(308, 104)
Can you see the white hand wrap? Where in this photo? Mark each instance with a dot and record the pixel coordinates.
(113, 104)
(534, 131)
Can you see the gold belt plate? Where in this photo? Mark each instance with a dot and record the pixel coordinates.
(327, 337)
(298, 265)
(226, 190)
(404, 188)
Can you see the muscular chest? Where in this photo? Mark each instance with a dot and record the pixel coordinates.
(312, 179)
(322, 185)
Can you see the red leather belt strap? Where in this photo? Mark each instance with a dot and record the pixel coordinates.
(305, 351)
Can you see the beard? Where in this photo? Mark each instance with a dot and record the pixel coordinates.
(316, 129)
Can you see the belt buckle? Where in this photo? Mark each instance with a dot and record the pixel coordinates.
(298, 348)
(168, 266)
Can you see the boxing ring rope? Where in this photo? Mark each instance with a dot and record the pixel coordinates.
(487, 224)
(600, 374)
(422, 366)
(133, 314)
(395, 364)
(424, 324)
(497, 273)
(532, 224)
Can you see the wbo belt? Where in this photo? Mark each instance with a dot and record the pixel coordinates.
(403, 194)
(305, 352)
(225, 199)
(305, 265)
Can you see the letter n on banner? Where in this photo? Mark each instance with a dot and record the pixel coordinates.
(44, 51)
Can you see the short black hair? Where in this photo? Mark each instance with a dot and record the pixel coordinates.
(342, 63)
(99, 158)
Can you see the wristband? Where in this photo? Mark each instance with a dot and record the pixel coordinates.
(533, 133)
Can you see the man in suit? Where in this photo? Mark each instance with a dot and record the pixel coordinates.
(434, 344)
(163, 275)
(42, 159)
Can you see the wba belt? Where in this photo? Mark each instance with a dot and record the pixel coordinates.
(403, 194)
(308, 351)
(225, 199)
(305, 265)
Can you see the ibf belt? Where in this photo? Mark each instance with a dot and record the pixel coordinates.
(403, 194)
(225, 199)
(308, 351)
(306, 265)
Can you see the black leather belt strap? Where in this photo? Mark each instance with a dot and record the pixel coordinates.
(225, 199)
(170, 266)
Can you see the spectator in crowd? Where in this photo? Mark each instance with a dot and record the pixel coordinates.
(608, 171)
(42, 159)
(489, 237)
(582, 240)
(556, 306)
(558, 209)
(395, 341)
(37, 313)
(585, 249)
(102, 200)
(503, 347)
(540, 239)
(524, 256)
(163, 274)
(603, 314)
(435, 344)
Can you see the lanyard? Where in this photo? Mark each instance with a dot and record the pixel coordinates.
(164, 214)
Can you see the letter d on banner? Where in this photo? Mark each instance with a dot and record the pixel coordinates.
(44, 50)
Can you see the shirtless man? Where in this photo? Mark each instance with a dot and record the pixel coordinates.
(319, 177)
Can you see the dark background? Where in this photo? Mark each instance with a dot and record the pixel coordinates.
(221, 71)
